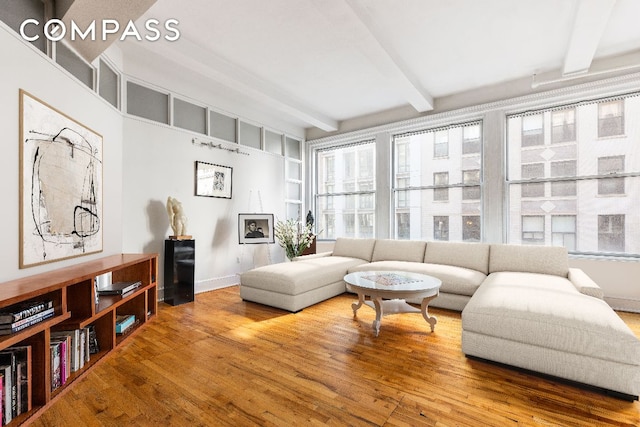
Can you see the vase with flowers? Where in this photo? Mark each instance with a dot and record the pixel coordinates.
(293, 236)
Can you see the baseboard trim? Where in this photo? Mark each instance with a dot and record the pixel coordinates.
(217, 283)
(624, 304)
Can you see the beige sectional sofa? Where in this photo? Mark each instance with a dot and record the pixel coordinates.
(521, 305)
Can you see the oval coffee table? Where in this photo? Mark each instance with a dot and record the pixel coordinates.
(387, 291)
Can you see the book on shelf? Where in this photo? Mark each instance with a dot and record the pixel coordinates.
(94, 347)
(16, 368)
(65, 356)
(26, 322)
(56, 370)
(73, 349)
(23, 310)
(124, 322)
(7, 357)
(7, 415)
(119, 288)
(23, 377)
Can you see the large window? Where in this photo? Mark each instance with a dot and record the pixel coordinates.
(578, 186)
(437, 189)
(345, 196)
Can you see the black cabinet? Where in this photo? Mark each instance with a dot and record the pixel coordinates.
(179, 269)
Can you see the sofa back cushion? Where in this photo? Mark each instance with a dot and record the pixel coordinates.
(474, 256)
(354, 248)
(398, 250)
(530, 259)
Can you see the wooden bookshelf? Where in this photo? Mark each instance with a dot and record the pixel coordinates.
(72, 291)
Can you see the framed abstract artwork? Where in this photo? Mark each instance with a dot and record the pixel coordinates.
(213, 180)
(60, 185)
(255, 228)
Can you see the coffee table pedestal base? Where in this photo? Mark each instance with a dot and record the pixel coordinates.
(394, 306)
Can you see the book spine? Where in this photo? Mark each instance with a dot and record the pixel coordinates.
(32, 321)
(26, 312)
(32, 317)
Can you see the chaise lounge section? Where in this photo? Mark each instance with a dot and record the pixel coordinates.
(521, 304)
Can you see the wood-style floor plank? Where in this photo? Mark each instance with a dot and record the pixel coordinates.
(221, 361)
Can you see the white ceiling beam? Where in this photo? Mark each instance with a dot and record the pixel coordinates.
(590, 22)
(84, 12)
(389, 62)
(198, 59)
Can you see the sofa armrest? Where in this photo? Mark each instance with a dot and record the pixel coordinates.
(584, 283)
(311, 256)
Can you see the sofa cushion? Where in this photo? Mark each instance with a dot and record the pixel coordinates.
(529, 259)
(294, 278)
(548, 311)
(354, 248)
(584, 283)
(468, 255)
(455, 280)
(398, 250)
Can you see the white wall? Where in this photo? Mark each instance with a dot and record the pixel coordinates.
(159, 162)
(144, 163)
(27, 68)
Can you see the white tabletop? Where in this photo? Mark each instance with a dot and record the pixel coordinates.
(392, 280)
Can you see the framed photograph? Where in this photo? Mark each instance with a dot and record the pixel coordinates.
(255, 228)
(213, 180)
(60, 185)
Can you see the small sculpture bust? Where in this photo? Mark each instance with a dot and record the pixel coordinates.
(177, 218)
(310, 219)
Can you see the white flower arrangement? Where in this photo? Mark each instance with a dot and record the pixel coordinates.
(293, 236)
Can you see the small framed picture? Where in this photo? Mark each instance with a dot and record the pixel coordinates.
(255, 228)
(213, 180)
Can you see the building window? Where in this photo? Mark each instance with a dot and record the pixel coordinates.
(471, 177)
(563, 231)
(349, 225)
(533, 229)
(532, 130)
(563, 169)
(441, 179)
(533, 171)
(610, 166)
(366, 225)
(441, 144)
(403, 224)
(471, 228)
(402, 196)
(329, 224)
(611, 233)
(350, 165)
(563, 125)
(611, 118)
(440, 228)
(402, 158)
(471, 139)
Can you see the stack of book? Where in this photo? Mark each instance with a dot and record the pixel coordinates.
(18, 317)
(124, 322)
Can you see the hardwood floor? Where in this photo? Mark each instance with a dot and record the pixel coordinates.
(221, 362)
